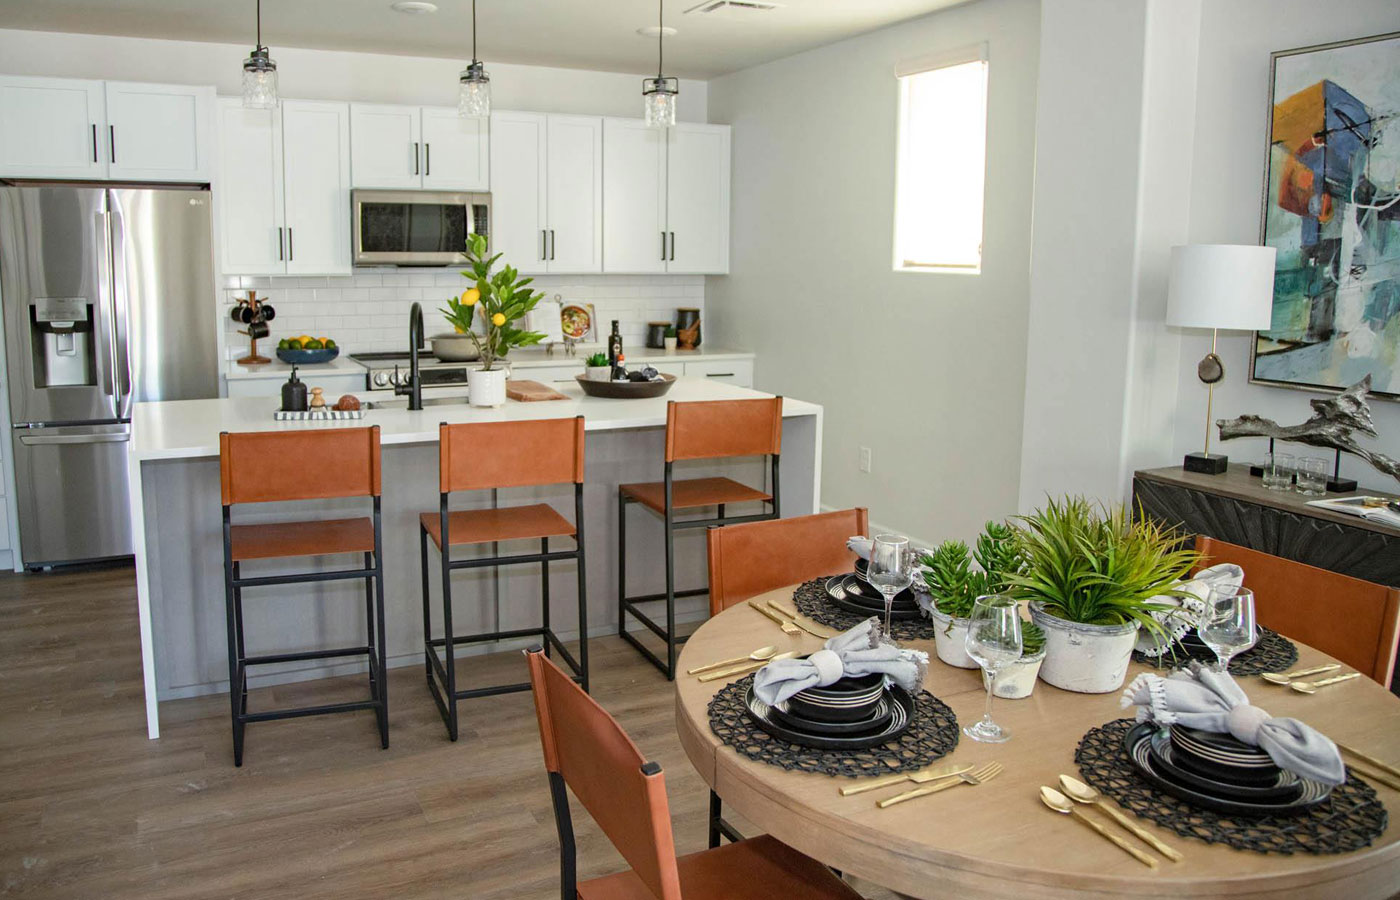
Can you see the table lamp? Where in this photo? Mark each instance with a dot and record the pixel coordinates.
(1219, 286)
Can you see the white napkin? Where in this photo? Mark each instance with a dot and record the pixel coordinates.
(1185, 611)
(861, 651)
(1211, 701)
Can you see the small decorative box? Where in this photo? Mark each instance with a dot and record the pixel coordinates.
(318, 415)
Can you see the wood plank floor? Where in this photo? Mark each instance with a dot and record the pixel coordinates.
(89, 808)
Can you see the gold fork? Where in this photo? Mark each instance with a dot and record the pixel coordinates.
(788, 627)
(974, 778)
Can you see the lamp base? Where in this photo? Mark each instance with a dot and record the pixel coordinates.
(1341, 485)
(1206, 463)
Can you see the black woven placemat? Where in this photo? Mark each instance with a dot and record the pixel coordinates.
(1271, 653)
(811, 601)
(932, 734)
(1351, 818)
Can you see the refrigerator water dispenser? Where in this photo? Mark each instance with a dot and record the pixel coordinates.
(60, 331)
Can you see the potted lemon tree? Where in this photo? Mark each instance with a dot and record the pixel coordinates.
(497, 300)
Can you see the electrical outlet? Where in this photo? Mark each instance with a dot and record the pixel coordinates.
(865, 459)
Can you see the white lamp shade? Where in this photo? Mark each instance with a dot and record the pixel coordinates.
(1221, 286)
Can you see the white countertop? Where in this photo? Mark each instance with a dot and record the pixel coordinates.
(189, 429)
(521, 359)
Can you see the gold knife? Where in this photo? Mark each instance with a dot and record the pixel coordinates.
(744, 669)
(807, 624)
(924, 775)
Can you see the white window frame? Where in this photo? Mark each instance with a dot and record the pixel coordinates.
(917, 66)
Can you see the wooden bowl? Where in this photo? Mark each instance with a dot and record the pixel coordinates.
(625, 390)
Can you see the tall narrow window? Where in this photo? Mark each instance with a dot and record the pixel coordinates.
(941, 165)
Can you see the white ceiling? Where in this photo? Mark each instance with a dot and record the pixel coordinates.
(581, 34)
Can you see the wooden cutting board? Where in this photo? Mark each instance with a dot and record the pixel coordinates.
(530, 391)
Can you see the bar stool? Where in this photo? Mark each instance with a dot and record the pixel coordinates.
(709, 429)
(273, 466)
(484, 456)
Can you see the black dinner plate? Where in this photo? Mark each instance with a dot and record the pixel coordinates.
(1285, 786)
(901, 709)
(873, 721)
(1137, 744)
(845, 688)
(868, 592)
(837, 595)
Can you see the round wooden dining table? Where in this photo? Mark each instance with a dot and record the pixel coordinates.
(997, 840)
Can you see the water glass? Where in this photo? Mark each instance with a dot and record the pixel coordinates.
(891, 568)
(1312, 476)
(1278, 471)
(1226, 625)
(993, 642)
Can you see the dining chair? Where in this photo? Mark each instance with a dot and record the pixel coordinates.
(754, 558)
(1353, 620)
(586, 751)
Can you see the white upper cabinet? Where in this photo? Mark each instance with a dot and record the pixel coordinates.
(316, 178)
(455, 150)
(634, 197)
(158, 132)
(248, 191)
(386, 146)
(666, 198)
(574, 194)
(518, 148)
(697, 199)
(52, 128)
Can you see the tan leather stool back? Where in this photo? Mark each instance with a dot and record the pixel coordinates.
(709, 429)
(1345, 617)
(482, 455)
(315, 464)
(750, 559)
(601, 765)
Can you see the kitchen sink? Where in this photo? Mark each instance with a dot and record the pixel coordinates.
(402, 402)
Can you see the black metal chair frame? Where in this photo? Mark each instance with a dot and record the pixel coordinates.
(443, 668)
(626, 604)
(373, 574)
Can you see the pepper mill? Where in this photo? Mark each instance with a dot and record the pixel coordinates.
(294, 394)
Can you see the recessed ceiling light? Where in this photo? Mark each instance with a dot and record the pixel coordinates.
(652, 31)
(413, 7)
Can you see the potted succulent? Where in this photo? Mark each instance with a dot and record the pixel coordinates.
(954, 585)
(596, 368)
(1091, 576)
(502, 298)
(669, 340)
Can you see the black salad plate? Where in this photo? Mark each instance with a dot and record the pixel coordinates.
(874, 721)
(1166, 758)
(839, 593)
(901, 713)
(1137, 743)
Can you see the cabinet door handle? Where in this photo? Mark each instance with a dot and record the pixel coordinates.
(663, 246)
(415, 157)
(673, 246)
(291, 254)
(552, 245)
(719, 374)
(94, 142)
(280, 257)
(112, 142)
(427, 158)
(544, 245)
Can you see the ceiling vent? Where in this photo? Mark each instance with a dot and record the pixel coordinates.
(714, 6)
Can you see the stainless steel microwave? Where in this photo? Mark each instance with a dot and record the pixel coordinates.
(416, 228)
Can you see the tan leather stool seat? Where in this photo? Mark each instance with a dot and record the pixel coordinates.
(318, 538)
(692, 492)
(511, 523)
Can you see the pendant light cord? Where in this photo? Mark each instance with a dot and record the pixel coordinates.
(660, 38)
(259, 16)
(473, 31)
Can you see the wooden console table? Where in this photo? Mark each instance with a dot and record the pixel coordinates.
(1236, 507)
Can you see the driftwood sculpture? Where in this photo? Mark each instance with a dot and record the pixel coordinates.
(1333, 420)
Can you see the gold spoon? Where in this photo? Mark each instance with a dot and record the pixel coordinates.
(1062, 804)
(1083, 793)
(760, 655)
(1310, 687)
(1285, 677)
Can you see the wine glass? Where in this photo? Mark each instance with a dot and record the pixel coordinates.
(891, 568)
(993, 642)
(1226, 625)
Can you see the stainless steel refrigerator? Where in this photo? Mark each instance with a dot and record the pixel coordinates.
(108, 299)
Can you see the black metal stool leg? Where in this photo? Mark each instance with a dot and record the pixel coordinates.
(427, 614)
(582, 589)
(242, 652)
(234, 668)
(544, 594)
(621, 563)
(450, 667)
(670, 585)
(382, 642)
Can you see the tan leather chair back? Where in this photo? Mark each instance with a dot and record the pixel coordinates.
(709, 429)
(481, 455)
(753, 558)
(265, 466)
(1353, 620)
(603, 768)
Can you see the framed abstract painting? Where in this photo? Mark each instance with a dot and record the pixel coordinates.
(1332, 210)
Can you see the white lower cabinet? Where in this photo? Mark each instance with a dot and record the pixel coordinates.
(730, 371)
(332, 386)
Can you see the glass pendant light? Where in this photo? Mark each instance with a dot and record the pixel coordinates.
(474, 85)
(659, 93)
(259, 75)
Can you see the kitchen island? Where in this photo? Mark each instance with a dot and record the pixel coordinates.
(177, 531)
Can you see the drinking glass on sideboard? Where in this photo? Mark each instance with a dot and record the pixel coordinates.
(1312, 476)
(1278, 471)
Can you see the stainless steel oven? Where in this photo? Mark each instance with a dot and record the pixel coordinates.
(416, 228)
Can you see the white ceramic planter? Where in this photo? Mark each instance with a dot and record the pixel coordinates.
(486, 388)
(950, 639)
(1088, 659)
(597, 373)
(1017, 680)
(670, 344)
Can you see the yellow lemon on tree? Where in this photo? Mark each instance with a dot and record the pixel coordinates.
(498, 320)
(470, 296)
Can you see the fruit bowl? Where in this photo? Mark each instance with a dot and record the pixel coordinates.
(307, 357)
(625, 390)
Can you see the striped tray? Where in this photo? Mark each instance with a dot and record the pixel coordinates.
(318, 415)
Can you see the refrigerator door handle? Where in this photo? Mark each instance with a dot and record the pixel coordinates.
(121, 311)
(107, 359)
(40, 440)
